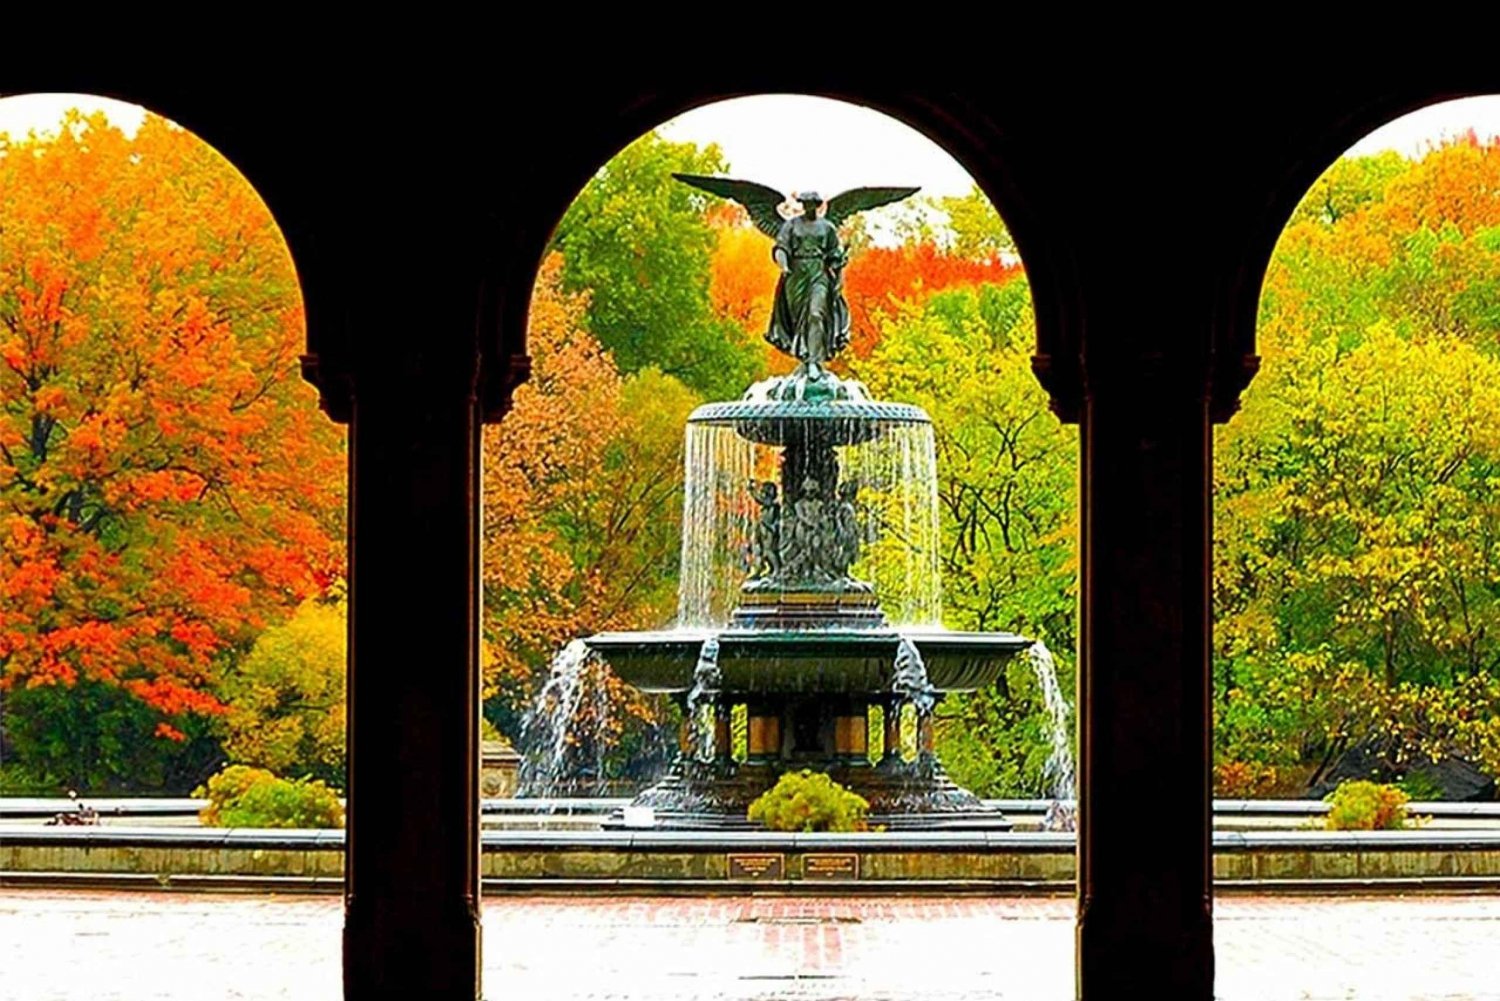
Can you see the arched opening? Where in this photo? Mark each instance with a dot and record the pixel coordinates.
(172, 499)
(1354, 514)
(653, 300)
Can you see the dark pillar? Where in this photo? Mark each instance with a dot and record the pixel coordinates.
(892, 738)
(1144, 891)
(412, 862)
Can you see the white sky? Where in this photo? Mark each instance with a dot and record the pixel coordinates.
(793, 142)
(41, 113)
(1414, 134)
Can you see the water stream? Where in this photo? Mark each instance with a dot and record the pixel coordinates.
(550, 739)
(897, 509)
(1059, 772)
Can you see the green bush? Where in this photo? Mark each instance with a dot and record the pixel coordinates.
(100, 739)
(242, 796)
(809, 801)
(1361, 805)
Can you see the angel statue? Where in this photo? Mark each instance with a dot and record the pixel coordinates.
(809, 319)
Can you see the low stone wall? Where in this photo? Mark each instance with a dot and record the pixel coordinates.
(646, 860)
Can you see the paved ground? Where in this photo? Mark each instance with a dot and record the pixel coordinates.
(104, 946)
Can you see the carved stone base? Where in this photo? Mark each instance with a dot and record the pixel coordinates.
(903, 796)
(849, 606)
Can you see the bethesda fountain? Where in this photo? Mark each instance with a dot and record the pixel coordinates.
(810, 596)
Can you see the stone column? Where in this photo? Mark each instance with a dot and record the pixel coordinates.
(412, 860)
(892, 739)
(723, 737)
(1144, 889)
(763, 733)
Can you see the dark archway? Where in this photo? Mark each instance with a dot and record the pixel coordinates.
(445, 245)
(1374, 346)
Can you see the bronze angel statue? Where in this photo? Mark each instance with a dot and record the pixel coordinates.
(809, 319)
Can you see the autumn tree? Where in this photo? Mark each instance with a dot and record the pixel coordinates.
(168, 487)
(880, 280)
(639, 244)
(1357, 575)
(285, 699)
(583, 502)
(742, 286)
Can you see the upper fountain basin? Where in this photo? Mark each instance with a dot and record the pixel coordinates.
(828, 422)
(816, 661)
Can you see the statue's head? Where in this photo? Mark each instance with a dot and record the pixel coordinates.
(811, 487)
(810, 201)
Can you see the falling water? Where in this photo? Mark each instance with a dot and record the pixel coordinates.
(897, 505)
(552, 731)
(1058, 772)
(897, 476)
(717, 521)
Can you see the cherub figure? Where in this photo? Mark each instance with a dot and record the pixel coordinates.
(846, 533)
(765, 553)
(805, 556)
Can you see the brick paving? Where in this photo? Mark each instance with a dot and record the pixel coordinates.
(104, 946)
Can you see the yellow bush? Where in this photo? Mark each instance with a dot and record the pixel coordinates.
(1366, 806)
(809, 801)
(242, 796)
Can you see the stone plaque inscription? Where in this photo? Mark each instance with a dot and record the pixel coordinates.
(757, 866)
(830, 866)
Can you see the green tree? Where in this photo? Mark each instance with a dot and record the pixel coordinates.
(638, 243)
(1357, 574)
(978, 232)
(1007, 496)
(98, 738)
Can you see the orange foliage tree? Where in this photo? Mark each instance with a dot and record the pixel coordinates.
(168, 487)
(742, 282)
(582, 510)
(879, 280)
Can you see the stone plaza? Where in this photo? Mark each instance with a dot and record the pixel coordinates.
(106, 945)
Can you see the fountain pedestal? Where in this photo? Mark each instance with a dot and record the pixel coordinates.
(807, 698)
(806, 647)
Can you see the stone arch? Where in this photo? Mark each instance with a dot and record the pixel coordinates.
(989, 150)
(1319, 138)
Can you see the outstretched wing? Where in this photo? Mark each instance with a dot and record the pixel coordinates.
(841, 207)
(759, 200)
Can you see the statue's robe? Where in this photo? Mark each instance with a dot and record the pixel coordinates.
(809, 319)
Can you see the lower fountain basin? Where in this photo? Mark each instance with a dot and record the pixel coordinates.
(813, 661)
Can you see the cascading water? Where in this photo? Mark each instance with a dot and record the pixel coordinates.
(895, 473)
(547, 727)
(717, 521)
(1059, 771)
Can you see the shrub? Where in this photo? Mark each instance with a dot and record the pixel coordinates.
(809, 801)
(100, 739)
(1245, 780)
(1421, 786)
(1361, 805)
(242, 796)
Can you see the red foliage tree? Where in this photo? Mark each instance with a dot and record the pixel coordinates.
(878, 279)
(167, 484)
